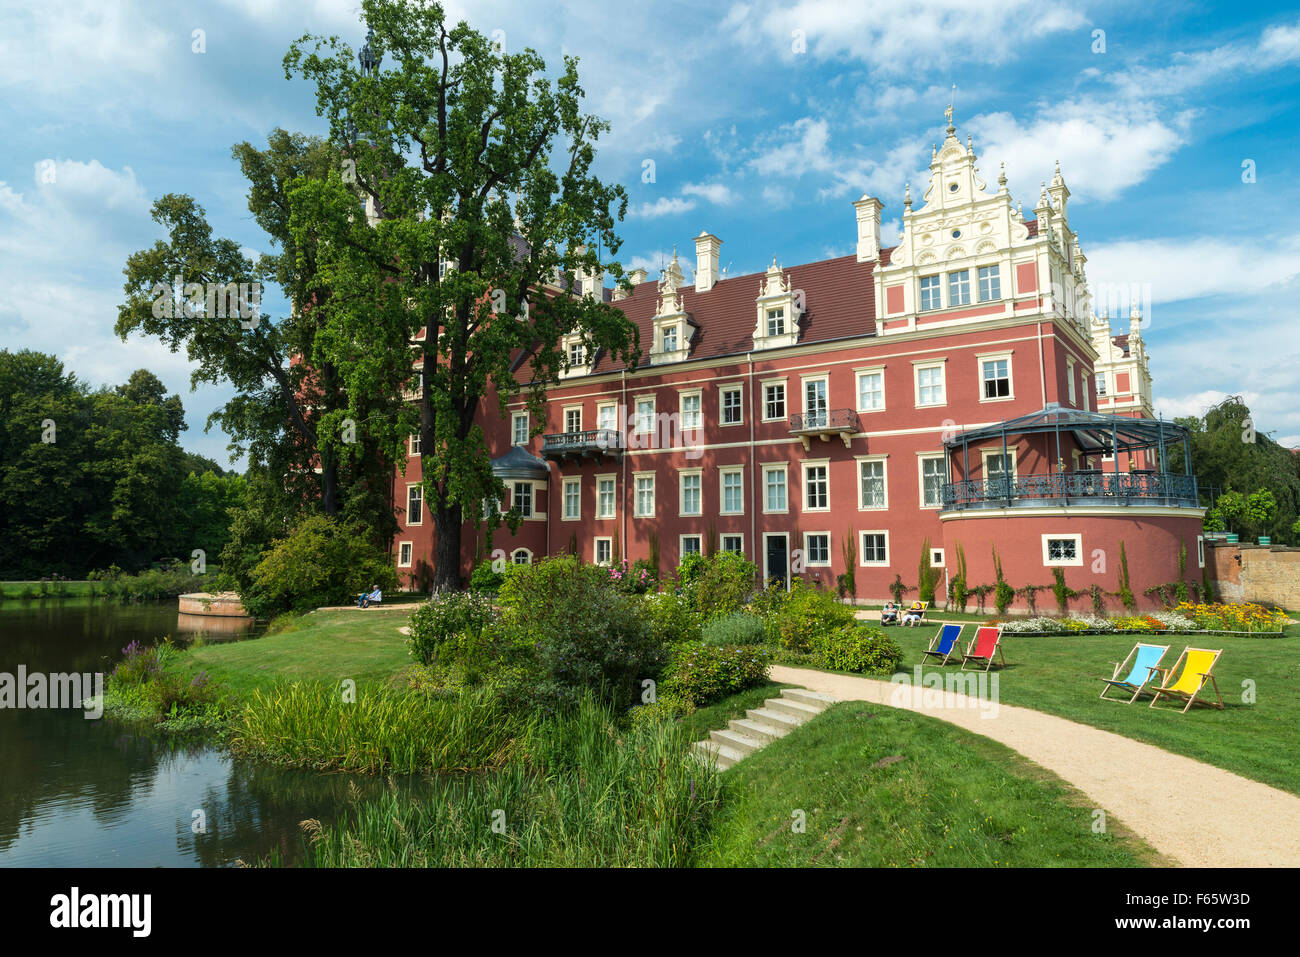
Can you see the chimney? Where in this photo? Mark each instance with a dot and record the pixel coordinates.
(707, 247)
(589, 284)
(868, 210)
(637, 276)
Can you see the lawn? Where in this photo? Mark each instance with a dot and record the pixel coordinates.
(880, 787)
(1060, 675)
(70, 589)
(324, 646)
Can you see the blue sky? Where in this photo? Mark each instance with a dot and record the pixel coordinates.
(763, 121)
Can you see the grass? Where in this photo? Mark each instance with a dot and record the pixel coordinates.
(1061, 676)
(880, 787)
(28, 590)
(701, 721)
(324, 646)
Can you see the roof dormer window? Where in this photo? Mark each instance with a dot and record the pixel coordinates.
(776, 322)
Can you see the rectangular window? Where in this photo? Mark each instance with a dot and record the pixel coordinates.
(934, 472)
(929, 385)
(959, 288)
(524, 498)
(774, 490)
(691, 500)
(573, 420)
(731, 407)
(871, 391)
(875, 549)
(817, 548)
(1101, 383)
(577, 355)
(815, 403)
(572, 498)
(415, 443)
(931, 297)
(776, 322)
(1200, 551)
(689, 545)
(996, 376)
(1069, 381)
(404, 555)
(774, 401)
(645, 496)
(645, 415)
(1062, 550)
(990, 284)
(816, 485)
(607, 417)
(734, 544)
(691, 406)
(997, 465)
(872, 483)
(414, 504)
(670, 339)
(604, 551)
(519, 428)
(489, 506)
(733, 492)
(604, 498)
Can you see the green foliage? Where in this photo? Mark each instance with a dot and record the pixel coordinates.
(1030, 594)
(718, 585)
(848, 580)
(1098, 596)
(958, 592)
(1064, 593)
(806, 615)
(698, 674)
(1002, 591)
(486, 579)
(737, 628)
(927, 576)
(898, 589)
(320, 562)
(1125, 591)
(1207, 586)
(671, 616)
(447, 618)
(859, 648)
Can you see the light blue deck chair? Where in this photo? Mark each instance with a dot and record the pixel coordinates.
(943, 644)
(1146, 662)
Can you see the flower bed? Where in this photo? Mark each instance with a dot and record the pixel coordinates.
(1237, 618)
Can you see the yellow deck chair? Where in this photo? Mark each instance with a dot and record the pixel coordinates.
(1197, 671)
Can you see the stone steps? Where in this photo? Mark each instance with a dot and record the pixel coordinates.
(777, 718)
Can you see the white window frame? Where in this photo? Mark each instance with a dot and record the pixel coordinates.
(921, 290)
(723, 392)
(532, 497)
(986, 454)
(807, 550)
(514, 428)
(785, 399)
(681, 545)
(1075, 562)
(959, 286)
(410, 554)
(1100, 379)
(414, 486)
(1006, 357)
(698, 396)
(601, 408)
(613, 496)
(784, 469)
(815, 464)
(884, 476)
(636, 495)
(1070, 391)
(514, 553)
(567, 411)
(936, 558)
(682, 476)
(924, 365)
(775, 314)
(995, 284)
(813, 378)
(862, 550)
(859, 375)
(921, 459)
(723, 472)
(413, 447)
(722, 542)
(639, 418)
(1200, 551)
(595, 550)
(565, 485)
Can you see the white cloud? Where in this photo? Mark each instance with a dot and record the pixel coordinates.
(717, 193)
(664, 206)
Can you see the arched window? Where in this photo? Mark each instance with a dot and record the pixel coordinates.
(522, 556)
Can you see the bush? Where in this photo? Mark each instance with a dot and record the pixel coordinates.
(806, 615)
(738, 628)
(438, 623)
(723, 584)
(635, 579)
(700, 674)
(670, 617)
(485, 579)
(858, 648)
(321, 562)
(585, 635)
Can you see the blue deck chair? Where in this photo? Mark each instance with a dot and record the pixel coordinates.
(1146, 661)
(943, 644)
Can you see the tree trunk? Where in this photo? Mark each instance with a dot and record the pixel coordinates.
(447, 521)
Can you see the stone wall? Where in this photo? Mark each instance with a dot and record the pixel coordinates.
(1269, 574)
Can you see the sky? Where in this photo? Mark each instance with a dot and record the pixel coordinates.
(1176, 131)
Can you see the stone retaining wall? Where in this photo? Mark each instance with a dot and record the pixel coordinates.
(1269, 574)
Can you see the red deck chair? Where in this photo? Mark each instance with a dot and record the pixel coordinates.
(987, 643)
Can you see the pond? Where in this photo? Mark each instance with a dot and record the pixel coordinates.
(79, 792)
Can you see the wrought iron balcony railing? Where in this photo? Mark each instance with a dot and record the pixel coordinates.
(592, 442)
(1074, 488)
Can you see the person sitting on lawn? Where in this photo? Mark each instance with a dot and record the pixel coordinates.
(373, 597)
(889, 614)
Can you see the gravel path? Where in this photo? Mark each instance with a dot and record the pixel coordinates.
(1191, 812)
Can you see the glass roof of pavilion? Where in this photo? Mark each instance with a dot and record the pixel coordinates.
(1093, 431)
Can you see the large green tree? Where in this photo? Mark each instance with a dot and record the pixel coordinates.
(476, 168)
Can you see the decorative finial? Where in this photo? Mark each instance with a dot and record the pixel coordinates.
(1002, 175)
(949, 112)
(907, 195)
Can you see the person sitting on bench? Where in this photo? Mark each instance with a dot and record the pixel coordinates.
(889, 614)
(373, 597)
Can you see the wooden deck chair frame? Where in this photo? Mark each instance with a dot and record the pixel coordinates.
(934, 643)
(1207, 677)
(904, 612)
(1114, 682)
(997, 649)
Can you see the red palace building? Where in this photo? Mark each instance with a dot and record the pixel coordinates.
(953, 390)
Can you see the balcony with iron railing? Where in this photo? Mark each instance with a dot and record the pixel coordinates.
(592, 443)
(823, 424)
(1086, 487)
